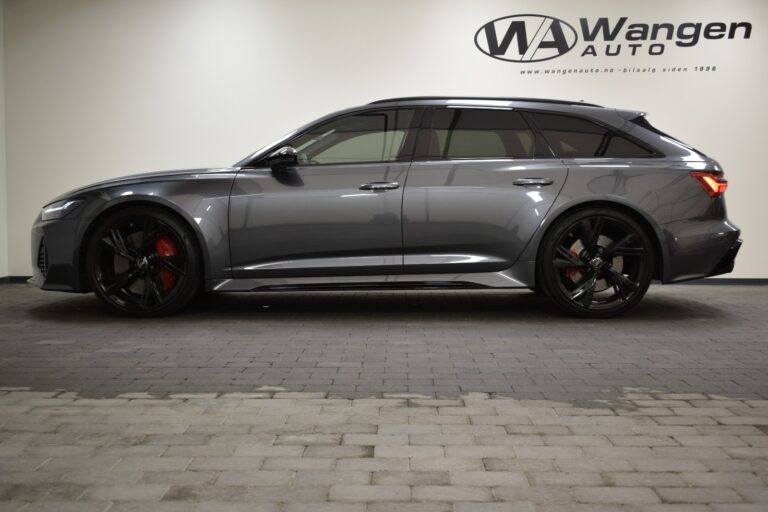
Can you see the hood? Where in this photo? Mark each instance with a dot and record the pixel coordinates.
(142, 178)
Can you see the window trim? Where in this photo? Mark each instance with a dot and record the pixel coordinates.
(405, 154)
(429, 113)
(530, 113)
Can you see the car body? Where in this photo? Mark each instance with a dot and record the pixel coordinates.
(463, 195)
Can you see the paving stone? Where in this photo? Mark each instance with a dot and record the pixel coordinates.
(137, 492)
(347, 492)
(665, 465)
(253, 477)
(443, 463)
(322, 477)
(451, 493)
(408, 451)
(488, 478)
(68, 506)
(410, 507)
(615, 495)
(552, 478)
(698, 495)
(411, 478)
(644, 479)
(377, 464)
(296, 463)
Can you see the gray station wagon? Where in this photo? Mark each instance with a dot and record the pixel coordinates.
(584, 204)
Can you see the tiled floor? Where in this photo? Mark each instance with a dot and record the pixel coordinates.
(384, 401)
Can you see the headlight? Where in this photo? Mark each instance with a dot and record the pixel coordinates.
(59, 209)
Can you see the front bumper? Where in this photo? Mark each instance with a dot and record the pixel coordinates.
(55, 252)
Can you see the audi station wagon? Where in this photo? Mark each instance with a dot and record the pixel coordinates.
(584, 204)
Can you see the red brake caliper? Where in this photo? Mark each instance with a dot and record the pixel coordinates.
(572, 271)
(165, 248)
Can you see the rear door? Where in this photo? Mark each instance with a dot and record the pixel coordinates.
(481, 182)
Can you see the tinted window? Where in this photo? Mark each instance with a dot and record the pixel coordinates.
(456, 133)
(366, 137)
(572, 137)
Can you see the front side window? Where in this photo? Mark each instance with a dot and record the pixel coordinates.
(476, 133)
(376, 136)
(572, 137)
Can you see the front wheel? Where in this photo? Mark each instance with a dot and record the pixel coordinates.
(596, 263)
(143, 261)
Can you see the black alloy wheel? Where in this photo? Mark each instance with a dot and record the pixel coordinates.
(143, 261)
(596, 263)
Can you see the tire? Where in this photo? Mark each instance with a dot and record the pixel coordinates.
(143, 262)
(595, 263)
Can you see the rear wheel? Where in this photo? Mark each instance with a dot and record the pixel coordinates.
(143, 261)
(596, 263)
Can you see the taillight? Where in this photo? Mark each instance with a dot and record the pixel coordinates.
(712, 184)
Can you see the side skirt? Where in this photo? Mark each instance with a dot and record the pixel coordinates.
(518, 276)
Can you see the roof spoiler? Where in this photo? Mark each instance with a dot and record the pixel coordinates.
(629, 115)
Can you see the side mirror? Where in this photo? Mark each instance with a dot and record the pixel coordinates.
(284, 157)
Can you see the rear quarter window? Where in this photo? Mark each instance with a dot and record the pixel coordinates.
(573, 137)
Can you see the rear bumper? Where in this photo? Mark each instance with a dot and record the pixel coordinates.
(698, 248)
(728, 261)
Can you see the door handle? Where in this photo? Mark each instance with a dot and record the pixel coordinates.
(380, 185)
(532, 182)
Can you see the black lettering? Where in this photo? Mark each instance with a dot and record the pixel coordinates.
(589, 50)
(665, 26)
(634, 48)
(687, 37)
(637, 32)
(746, 26)
(656, 49)
(601, 26)
(714, 31)
(608, 50)
(558, 39)
(516, 28)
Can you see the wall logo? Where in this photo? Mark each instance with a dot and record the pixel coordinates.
(534, 37)
(525, 38)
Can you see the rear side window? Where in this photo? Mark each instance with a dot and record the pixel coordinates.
(474, 133)
(572, 137)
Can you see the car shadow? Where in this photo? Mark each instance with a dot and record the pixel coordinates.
(507, 306)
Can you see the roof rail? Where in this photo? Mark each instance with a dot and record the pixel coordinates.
(536, 100)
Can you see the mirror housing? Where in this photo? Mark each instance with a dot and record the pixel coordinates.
(284, 157)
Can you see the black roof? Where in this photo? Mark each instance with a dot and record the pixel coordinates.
(536, 100)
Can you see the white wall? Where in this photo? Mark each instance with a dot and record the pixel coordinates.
(3, 178)
(97, 89)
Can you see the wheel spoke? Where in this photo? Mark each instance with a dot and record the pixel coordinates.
(149, 233)
(621, 278)
(590, 234)
(154, 288)
(116, 241)
(620, 248)
(616, 283)
(583, 294)
(628, 251)
(145, 295)
(560, 263)
(567, 259)
(121, 281)
(167, 264)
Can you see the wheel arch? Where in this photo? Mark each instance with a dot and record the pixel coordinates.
(651, 227)
(152, 202)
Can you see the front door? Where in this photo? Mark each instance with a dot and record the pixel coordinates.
(336, 213)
